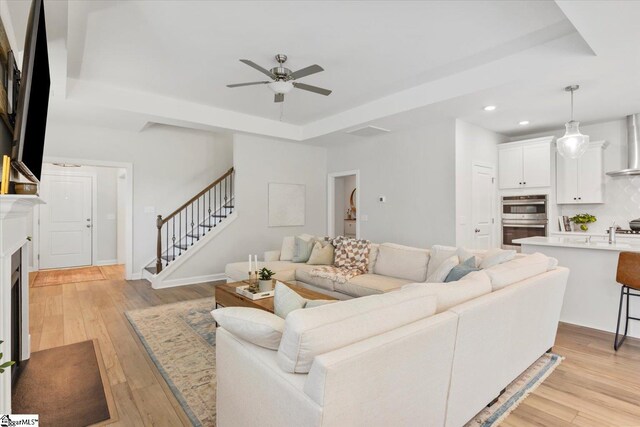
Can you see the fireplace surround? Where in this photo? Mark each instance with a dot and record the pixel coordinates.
(15, 211)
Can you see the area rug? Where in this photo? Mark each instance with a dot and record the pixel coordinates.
(65, 386)
(517, 391)
(180, 339)
(72, 275)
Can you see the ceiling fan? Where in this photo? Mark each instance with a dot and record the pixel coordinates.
(283, 79)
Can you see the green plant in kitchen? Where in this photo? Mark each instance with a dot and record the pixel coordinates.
(266, 274)
(583, 219)
(4, 365)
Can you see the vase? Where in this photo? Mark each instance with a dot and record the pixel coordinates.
(580, 227)
(265, 285)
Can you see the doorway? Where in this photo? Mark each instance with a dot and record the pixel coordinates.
(483, 206)
(86, 220)
(343, 204)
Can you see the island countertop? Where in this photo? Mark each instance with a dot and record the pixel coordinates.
(596, 243)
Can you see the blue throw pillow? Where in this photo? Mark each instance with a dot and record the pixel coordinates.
(461, 270)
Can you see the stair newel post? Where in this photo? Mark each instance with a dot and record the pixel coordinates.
(159, 245)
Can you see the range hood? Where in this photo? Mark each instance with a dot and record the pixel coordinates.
(633, 140)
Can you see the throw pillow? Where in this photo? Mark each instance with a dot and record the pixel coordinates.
(286, 300)
(496, 256)
(321, 255)
(351, 253)
(302, 250)
(256, 326)
(461, 270)
(286, 252)
(465, 254)
(443, 270)
(439, 254)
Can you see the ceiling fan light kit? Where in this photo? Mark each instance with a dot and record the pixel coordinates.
(573, 144)
(283, 79)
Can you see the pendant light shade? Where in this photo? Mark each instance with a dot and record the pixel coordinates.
(573, 144)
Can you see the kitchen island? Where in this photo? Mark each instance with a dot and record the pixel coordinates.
(592, 295)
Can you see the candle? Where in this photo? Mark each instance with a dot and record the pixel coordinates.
(250, 263)
(256, 262)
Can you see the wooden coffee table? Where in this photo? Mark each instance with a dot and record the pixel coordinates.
(226, 296)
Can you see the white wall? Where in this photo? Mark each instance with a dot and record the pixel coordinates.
(259, 161)
(473, 144)
(340, 206)
(170, 165)
(121, 212)
(622, 194)
(415, 170)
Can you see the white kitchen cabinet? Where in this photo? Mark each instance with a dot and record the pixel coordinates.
(525, 164)
(581, 181)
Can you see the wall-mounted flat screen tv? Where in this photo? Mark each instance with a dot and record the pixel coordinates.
(33, 101)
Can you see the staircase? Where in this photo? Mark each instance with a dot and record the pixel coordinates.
(182, 230)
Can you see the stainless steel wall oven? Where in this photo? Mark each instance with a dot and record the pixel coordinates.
(523, 216)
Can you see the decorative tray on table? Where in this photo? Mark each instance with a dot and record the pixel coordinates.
(247, 293)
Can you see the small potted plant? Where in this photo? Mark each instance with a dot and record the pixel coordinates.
(266, 283)
(4, 365)
(582, 220)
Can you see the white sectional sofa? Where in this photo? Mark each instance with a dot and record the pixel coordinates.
(429, 354)
(391, 266)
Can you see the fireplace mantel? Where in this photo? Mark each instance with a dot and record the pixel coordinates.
(15, 211)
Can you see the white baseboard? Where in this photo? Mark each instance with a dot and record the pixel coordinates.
(135, 276)
(106, 262)
(160, 284)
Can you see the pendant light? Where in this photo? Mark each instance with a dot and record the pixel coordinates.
(573, 144)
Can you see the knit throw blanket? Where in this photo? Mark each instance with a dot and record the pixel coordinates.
(351, 259)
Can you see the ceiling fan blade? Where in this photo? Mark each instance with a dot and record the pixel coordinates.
(279, 97)
(314, 89)
(259, 68)
(247, 84)
(311, 69)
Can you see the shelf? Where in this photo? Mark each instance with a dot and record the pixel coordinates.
(16, 205)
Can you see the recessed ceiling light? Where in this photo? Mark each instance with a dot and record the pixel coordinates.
(523, 123)
(489, 108)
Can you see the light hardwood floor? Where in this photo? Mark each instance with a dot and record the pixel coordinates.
(594, 386)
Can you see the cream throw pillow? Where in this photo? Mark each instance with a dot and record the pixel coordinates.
(443, 270)
(496, 256)
(256, 326)
(439, 254)
(286, 300)
(321, 255)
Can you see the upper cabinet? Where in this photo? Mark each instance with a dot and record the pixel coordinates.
(581, 180)
(525, 164)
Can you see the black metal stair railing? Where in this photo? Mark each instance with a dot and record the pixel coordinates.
(194, 219)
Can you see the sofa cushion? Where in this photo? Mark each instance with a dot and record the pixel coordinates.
(516, 270)
(461, 270)
(251, 324)
(286, 251)
(402, 261)
(443, 270)
(439, 254)
(370, 284)
(450, 294)
(309, 333)
(321, 254)
(303, 274)
(285, 270)
(496, 256)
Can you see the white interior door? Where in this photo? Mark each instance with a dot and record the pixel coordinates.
(482, 204)
(65, 221)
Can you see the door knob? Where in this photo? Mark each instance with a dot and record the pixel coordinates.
(477, 230)
(88, 225)
(88, 219)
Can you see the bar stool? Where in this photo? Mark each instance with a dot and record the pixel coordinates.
(628, 276)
